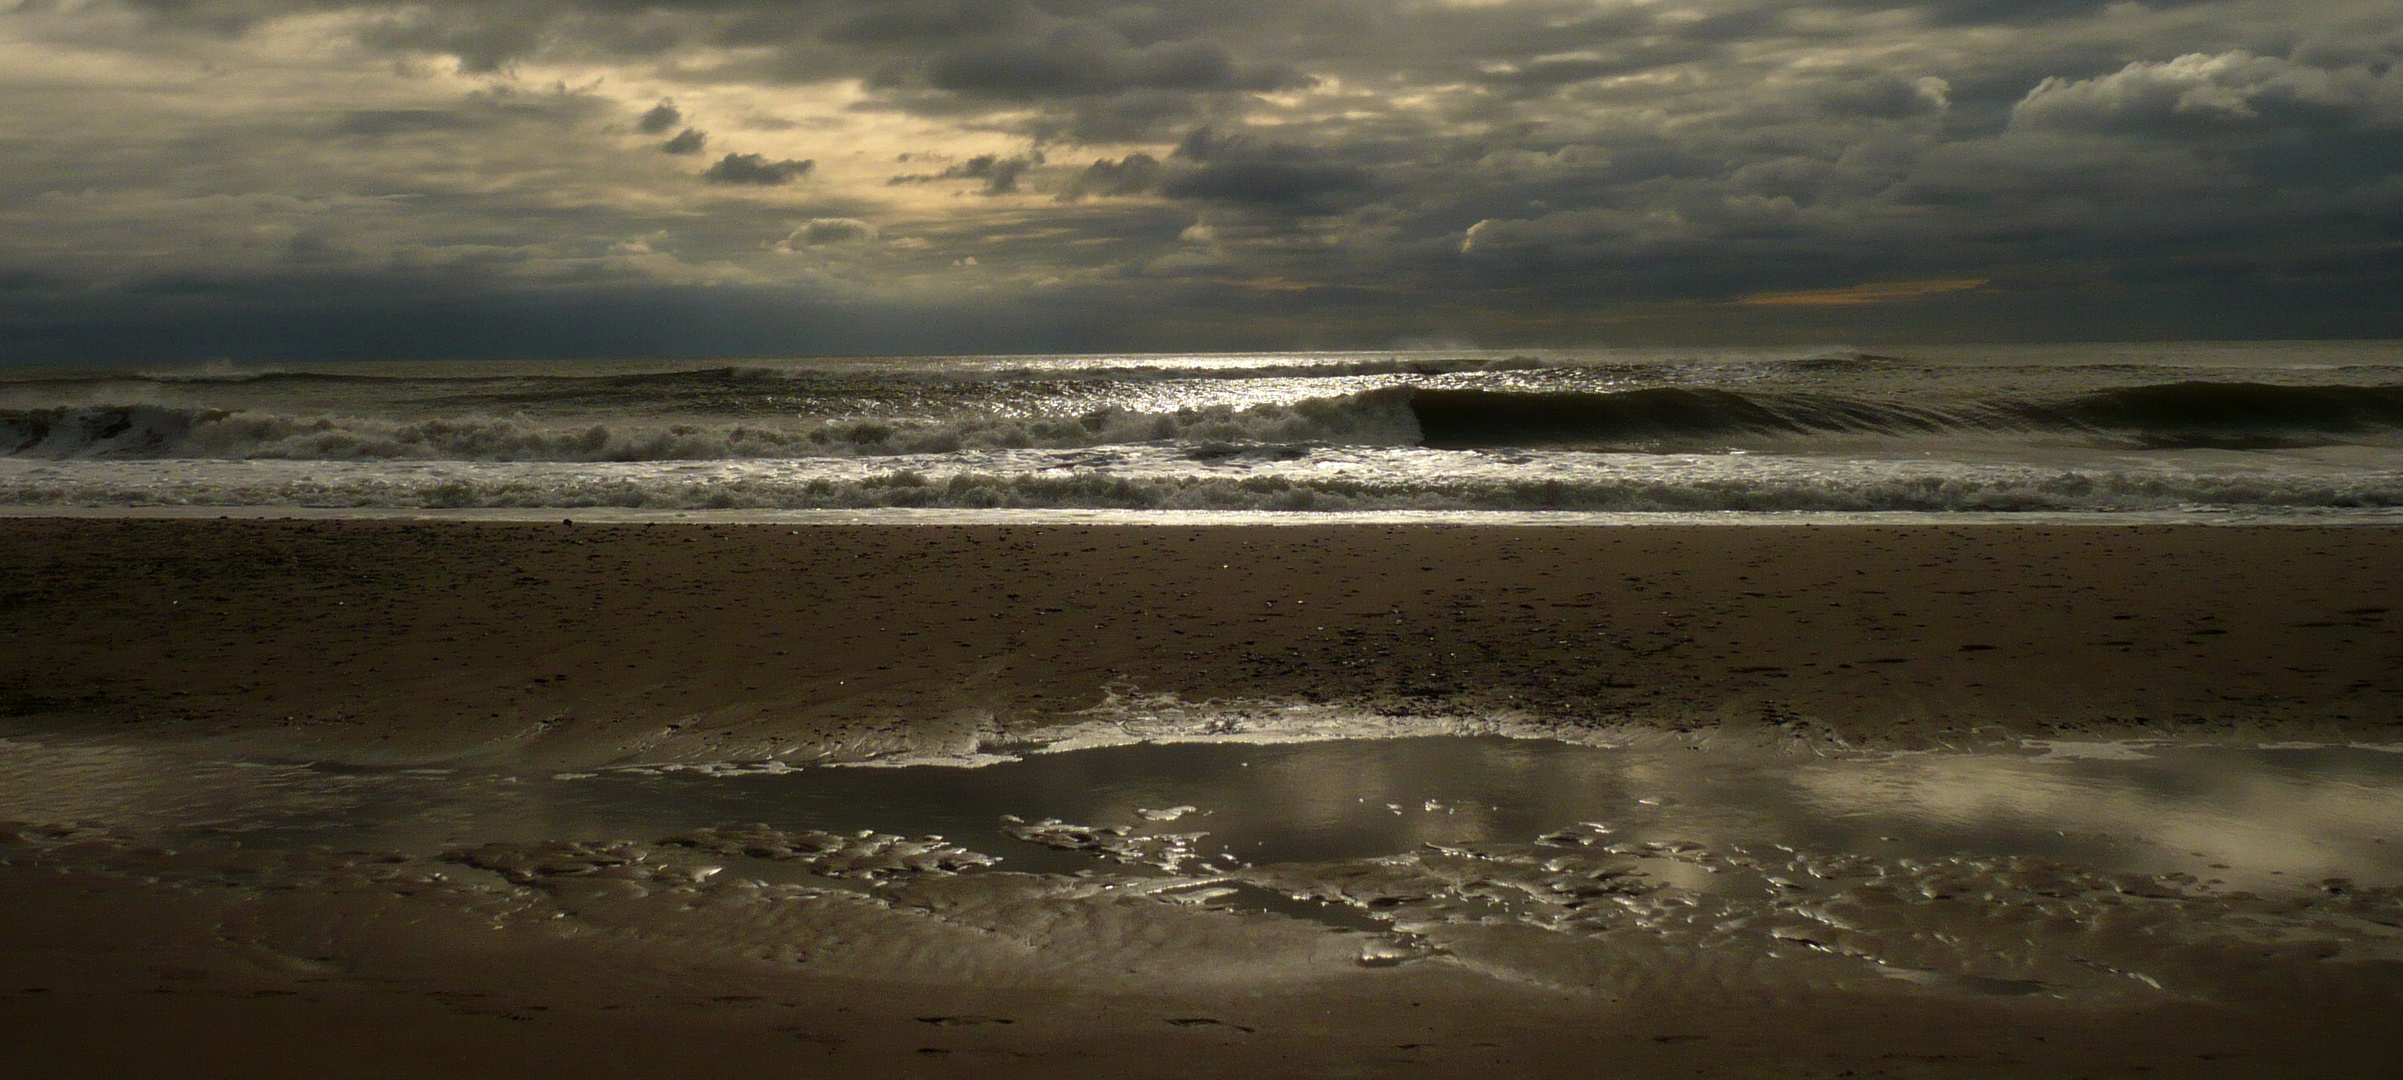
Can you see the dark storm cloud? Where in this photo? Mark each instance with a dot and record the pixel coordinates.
(2006, 12)
(2194, 94)
(999, 175)
(1239, 170)
(1126, 34)
(1886, 97)
(477, 112)
(1269, 183)
(1371, 168)
(659, 118)
(1071, 65)
(484, 38)
(755, 169)
(906, 23)
(1134, 174)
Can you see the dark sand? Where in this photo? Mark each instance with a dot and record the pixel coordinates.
(559, 645)
(381, 641)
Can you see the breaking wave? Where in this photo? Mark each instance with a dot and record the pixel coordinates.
(2207, 412)
(1688, 485)
(1374, 419)
(2160, 416)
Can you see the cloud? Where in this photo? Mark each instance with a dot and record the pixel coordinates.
(998, 174)
(1268, 183)
(1269, 176)
(659, 118)
(399, 121)
(755, 169)
(1500, 169)
(2200, 88)
(1547, 74)
(1888, 97)
(1883, 292)
(824, 232)
(1133, 174)
(2013, 12)
(486, 110)
(1076, 64)
(485, 39)
(905, 23)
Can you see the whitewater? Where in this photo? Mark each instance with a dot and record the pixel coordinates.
(2310, 430)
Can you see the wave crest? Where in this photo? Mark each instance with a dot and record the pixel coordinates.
(736, 485)
(2160, 416)
(1380, 418)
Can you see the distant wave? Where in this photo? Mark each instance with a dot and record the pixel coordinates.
(758, 375)
(2161, 416)
(939, 370)
(1463, 419)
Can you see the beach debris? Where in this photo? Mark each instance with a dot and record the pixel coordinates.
(1393, 951)
(1582, 834)
(1205, 1021)
(863, 854)
(542, 862)
(1120, 843)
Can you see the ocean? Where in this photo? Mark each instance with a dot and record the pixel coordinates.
(2244, 431)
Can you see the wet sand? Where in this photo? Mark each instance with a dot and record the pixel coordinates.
(379, 989)
(565, 644)
(560, 646)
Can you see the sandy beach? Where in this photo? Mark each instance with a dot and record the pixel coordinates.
(574, 646)
(560, 644)
(1370, 538)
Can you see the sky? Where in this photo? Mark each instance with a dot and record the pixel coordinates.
(187, 180)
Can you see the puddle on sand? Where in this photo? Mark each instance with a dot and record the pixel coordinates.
(2056, 870)
(2232, 817)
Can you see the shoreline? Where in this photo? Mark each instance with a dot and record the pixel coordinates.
(903, 516)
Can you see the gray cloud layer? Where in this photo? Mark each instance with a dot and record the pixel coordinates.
(471, 177)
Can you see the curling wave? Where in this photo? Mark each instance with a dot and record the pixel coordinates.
(2158, 416)
(2182, 415)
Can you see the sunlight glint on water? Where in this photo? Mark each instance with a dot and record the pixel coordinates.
(2311, 428)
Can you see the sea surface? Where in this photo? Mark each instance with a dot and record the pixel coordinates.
(2244, 431)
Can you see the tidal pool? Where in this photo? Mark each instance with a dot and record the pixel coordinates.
(2235, 817)
(2064, 869)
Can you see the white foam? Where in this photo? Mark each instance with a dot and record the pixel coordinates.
(2067, 750)
(1371, 418)
(1145, 480)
